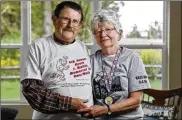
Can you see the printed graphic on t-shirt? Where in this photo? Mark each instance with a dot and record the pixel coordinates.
(142, 79)
(61, 67)
(100, 89)
(80, 67)
(65, 72)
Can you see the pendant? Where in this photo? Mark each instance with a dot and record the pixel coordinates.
(108, 100)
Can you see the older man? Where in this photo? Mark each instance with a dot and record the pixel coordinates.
(56, 81)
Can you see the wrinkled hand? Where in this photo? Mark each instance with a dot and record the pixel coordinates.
(94, 111)
(77, 103)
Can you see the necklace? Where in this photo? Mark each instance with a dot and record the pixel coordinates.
(108, 77)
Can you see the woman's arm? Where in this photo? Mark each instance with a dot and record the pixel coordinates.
(132, 102)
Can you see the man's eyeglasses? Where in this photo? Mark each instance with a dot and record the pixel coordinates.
(106, 31)
(66, 20)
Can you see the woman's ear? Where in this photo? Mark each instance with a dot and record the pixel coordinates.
(120, 36)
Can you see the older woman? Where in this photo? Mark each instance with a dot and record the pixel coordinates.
(119, 74)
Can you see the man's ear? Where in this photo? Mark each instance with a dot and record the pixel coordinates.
(81, 24)
(54, 18)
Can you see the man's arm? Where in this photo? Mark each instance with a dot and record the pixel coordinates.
(46, 101)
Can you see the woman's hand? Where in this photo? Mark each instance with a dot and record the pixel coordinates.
(94, 111)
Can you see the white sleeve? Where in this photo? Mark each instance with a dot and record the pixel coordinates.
(138, 79)
(32, 64)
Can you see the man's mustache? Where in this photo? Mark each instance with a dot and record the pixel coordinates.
(68, 29)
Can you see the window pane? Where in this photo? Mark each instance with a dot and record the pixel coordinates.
(10, 74)
(152, 58)
(85, 33)
(43, 19)
(11, 21)
(37, 19)
(139, 20)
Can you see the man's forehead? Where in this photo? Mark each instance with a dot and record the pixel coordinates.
(69, 11)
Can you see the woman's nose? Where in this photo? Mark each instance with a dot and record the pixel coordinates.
(103, 33)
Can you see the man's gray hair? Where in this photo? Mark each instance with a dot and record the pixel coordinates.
(106, 15)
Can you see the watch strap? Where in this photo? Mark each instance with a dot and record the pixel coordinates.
(108, 110)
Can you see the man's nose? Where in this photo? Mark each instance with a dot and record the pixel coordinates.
(70, 23)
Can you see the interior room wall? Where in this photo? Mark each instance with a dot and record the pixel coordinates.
(175, 45)
(175, 51)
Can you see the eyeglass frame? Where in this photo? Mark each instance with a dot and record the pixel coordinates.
(66, 20)
(106, 31)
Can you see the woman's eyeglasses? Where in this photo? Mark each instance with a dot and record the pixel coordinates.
(106, 31)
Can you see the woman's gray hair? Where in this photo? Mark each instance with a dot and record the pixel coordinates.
(106, 15)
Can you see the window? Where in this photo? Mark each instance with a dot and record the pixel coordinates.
(43, 19)
(10, 27)
(10, 50)
(144, 31)
(10, 73)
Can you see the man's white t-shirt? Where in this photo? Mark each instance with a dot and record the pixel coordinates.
(64, 69)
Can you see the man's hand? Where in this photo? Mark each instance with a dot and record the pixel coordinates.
(94, 111)
(77, 103)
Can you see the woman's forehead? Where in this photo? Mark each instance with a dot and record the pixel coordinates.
(103, 24)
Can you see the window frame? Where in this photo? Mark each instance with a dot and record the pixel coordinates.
(26, 40)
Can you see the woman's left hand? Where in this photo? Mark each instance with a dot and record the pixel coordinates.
(94, 111)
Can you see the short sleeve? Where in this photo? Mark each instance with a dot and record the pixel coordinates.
(138, 78)
(32, 64)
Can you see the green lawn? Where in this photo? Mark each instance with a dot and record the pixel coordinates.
(157, 84)
(11, 89)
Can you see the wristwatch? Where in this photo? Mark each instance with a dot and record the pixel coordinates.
(108, 110)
